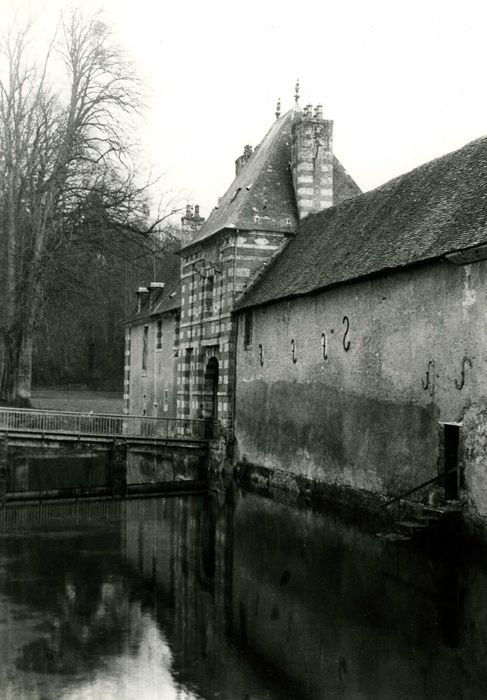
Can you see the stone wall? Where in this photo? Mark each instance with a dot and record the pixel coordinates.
(350, 386)
(152, 391)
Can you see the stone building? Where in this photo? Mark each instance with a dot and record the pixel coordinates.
(339, 337)
(291, 173)
(151, 347)
(366, 361)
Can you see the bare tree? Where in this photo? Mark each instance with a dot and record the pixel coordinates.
(59, 149)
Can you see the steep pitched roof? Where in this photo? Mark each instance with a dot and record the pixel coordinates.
(262, 198)
(264, 188)
(437, 208)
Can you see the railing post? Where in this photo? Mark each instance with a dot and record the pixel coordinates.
(3, 468)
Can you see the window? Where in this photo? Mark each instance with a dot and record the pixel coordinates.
(166, 400)
(159, 334)
(248, 327)
(144, 347)
(209, 286)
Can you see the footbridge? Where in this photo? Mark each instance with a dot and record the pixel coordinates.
(141, 454)
(27, 425)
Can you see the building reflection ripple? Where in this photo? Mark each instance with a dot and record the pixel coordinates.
(231, 596)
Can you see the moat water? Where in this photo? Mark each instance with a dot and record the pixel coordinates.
(231, 596)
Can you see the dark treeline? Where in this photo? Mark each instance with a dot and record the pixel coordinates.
(75, 216)
(79, 338)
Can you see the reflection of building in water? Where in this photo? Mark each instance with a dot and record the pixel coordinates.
(324, 609)
(242, 599)
(183, 547)
(341, 612)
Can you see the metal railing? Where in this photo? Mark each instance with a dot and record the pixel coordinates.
(428, 482)
(103, 424)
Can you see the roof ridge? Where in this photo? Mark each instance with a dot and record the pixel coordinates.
(423, 214)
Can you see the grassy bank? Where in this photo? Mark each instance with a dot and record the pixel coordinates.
(77, 399)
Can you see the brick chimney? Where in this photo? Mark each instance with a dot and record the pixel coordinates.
(191, 222)
(312, 161)
(153, 287)
(242, 160)
(142, 294)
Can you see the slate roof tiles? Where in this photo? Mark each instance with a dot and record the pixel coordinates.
(437, 208)
(262, 198)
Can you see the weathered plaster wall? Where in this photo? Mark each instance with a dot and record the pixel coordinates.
(366, 417)
(147, 387)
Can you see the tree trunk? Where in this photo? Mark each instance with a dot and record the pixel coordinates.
(16, 380)
(23, 392)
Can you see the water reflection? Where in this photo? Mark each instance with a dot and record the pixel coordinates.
(45, 471)
(239, 598)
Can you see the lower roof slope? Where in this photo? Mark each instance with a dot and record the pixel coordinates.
(432, 210)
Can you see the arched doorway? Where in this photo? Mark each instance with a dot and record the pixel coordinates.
(210, 391)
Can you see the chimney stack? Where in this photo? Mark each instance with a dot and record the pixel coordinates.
(152, 288)
(190, 223)
(141, 293)
(242, 160)
(312, 161)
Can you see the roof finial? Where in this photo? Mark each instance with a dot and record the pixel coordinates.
(296, 92)
(278, 108)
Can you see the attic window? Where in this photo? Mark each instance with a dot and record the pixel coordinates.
(236, 193)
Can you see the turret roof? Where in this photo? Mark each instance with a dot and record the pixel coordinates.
(261, 198)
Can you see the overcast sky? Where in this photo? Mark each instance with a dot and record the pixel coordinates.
(404, 81)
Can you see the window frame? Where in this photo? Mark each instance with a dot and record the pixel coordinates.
(248, 328)
(145, 347)
(159, 334)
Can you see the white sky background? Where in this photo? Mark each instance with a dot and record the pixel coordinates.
(404, 81)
